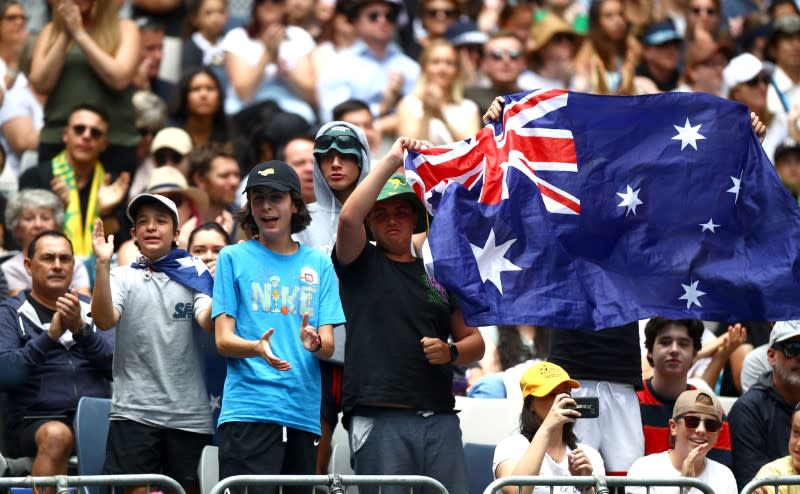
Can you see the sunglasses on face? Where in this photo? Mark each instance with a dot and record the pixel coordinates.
(499, 54)
(274, 2)
(759, 79)
(693, 422)
(790, 349)
(94, 132)
(166, 155)
(343, 142)
(145, 132)
(700, 10)
(448, 13)
(374, 15)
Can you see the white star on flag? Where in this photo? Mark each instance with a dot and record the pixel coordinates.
(630, 199)
(688, 135)
(691, 294)
(491, 262)
(193, 262)
(709, 226)
(213, 402)
(737, 186)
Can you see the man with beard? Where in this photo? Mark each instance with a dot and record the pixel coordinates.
(761, 419)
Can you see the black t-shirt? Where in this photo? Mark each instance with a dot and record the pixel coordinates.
(45, 314)
(390, 306)
(611, 354)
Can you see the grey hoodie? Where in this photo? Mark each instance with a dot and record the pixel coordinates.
(321, 233)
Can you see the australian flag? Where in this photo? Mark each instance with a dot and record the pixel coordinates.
(582, 211)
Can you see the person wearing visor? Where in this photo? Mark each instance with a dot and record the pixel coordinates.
(401, 338)
(341, 161)
(546, 444)
(694, 428)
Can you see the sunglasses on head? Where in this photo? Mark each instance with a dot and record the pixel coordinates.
(700, 10)
(374, 15)
(499, 54)
(693, 422)
(448, 13)
(94, 132)
(342, 141)
(166, 155)
(790, 349)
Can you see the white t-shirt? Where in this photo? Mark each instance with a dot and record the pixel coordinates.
(715, 475)
(514, 448)
(297, 44)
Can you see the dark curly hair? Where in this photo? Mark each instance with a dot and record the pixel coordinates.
(300, 220)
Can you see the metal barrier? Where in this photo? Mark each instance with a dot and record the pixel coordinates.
(336, 483)
(64, 482)
(600, 483)
(771, 482)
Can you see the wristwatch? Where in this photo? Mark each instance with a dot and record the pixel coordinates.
(453, 352)
(81, 332)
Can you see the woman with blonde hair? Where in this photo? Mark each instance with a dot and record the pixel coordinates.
(437, 111)
(87, 54)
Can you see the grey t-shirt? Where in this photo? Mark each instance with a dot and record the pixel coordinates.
(158, 371)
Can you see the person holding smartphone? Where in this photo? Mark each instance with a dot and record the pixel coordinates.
(546, 444)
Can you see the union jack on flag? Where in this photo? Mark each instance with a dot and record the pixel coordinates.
(581, 211)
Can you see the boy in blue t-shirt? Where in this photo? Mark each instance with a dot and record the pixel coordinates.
(269, 295)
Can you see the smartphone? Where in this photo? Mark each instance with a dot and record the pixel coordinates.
(588, 406)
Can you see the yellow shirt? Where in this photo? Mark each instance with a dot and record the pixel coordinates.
(780, 468)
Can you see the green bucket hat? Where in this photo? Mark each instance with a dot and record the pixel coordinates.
(397, 186)
(341, 138)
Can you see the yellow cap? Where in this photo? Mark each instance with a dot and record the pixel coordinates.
(541, 379)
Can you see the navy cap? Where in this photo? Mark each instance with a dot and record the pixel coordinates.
(465, 32)
(274, 174)
(660, 33)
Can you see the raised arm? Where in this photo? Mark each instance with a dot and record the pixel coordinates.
(351, 235)
(115, 70)
(103, 312)
(47, 60)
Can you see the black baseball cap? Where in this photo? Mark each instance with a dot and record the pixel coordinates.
(274, 174)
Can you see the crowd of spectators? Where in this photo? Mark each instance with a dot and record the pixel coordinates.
(206, 106)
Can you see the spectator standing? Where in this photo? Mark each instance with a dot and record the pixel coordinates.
(87, 53)
(29, 213)
(46, 333)
(203, 48)
(341, 160)
(80, 180)
(269, 423)
(502, 64)
(437, 110)
(397, 380)
(761, 419)
(261, 62)
(12, 37)
(386, 74)
(170, 14)
(147, 74)
(546, 444)
(694, 428)
(160, 418)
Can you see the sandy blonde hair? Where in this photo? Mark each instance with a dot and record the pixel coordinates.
(457, 88)
(102, 26)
